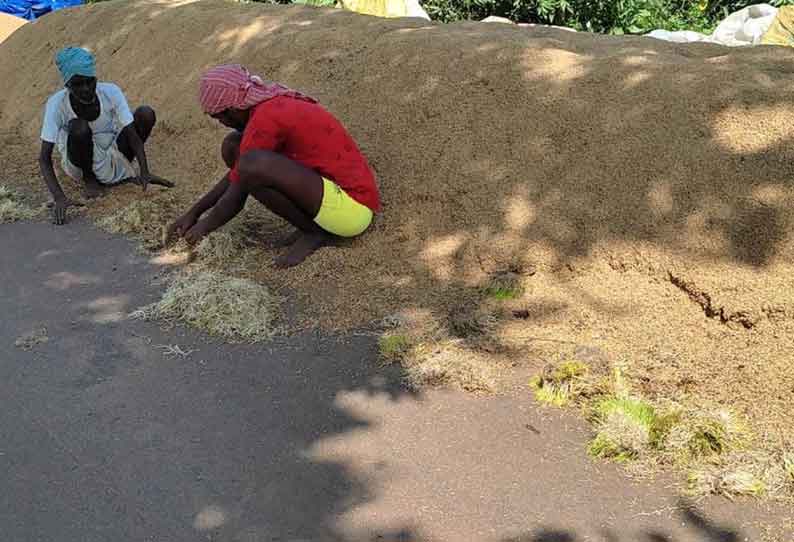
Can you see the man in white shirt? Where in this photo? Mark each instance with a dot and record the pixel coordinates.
(96, 134)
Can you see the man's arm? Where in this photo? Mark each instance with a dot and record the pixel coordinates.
(207, 201)
(231, 202)
(145, 178)
(210, 198)
(137, 147)
(48, 172)
(60, 201)
(125, 118)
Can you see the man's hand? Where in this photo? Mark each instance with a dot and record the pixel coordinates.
(195, 234)
(145, 179)
(59, 209)
(181, 226)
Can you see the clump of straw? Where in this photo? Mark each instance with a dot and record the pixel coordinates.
(233, 308)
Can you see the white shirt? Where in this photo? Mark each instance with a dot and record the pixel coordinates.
(110, 165)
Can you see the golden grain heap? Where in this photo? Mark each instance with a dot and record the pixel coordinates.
(639, 193)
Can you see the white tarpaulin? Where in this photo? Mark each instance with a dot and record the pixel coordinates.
(744, 27)
(386, 8)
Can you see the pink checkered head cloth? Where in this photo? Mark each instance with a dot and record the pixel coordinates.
(232, 86)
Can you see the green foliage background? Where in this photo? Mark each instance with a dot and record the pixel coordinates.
(604, 16)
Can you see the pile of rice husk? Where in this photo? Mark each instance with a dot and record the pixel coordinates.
(9, 24)
(640, 190)
(141, 217)
(233, 308)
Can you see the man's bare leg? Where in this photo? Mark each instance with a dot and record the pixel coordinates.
(230, 152)
(144, 121)
(155, 181)
(288, 240)
(291, 191)
(80, 152)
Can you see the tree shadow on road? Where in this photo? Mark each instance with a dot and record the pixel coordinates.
(697, 528)
(108, 437)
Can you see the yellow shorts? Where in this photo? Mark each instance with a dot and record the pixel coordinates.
(340, 214)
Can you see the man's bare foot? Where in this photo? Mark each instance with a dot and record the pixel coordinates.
(72, 203)
(305, 246)
(153, 179)
(159, 181)
(92, 189)
(288, 241)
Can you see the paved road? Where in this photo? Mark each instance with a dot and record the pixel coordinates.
(104, 436)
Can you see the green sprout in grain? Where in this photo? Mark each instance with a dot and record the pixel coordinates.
(562, 385)
(504, 286)
(393, 347)
(627, 427)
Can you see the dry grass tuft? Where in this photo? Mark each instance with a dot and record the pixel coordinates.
(703, 434)
(233, 308)
(451, 363)
(562, 385)
(145, 218)
(626, 428)
(13, 206)
(227, 247)
(746, 473)
(470, 320)
(148, 218)
(714, 446)
(716, 481)
(431, 356)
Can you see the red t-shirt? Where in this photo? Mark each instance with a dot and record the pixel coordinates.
(308, 134)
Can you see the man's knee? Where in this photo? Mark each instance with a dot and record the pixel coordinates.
(145, 116)
(253, 166)
(230, 148)
(80, 130)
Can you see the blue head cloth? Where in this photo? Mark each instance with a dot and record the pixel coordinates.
(73, 61)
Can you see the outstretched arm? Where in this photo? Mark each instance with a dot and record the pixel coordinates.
(231, 202)
(184, 223)
(137, 147)
(48, 172)
(60, 201)
(145, 177)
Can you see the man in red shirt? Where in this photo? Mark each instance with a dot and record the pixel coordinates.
(290, 154)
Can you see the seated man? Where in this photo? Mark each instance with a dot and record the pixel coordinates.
(96, 134)
(290, 154)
